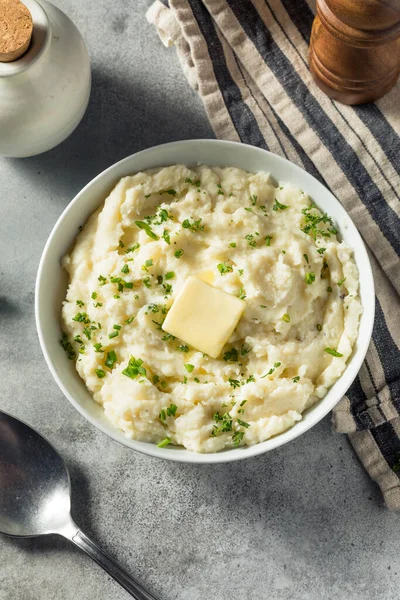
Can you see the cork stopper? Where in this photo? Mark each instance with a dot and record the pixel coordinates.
(15, 29)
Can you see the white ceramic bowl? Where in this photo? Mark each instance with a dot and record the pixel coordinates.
(52, 281)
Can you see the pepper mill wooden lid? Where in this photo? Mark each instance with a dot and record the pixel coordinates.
(15, 29)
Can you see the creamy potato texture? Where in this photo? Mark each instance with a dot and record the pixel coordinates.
(267, 245)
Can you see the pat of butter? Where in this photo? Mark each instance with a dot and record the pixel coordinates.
(204, 316)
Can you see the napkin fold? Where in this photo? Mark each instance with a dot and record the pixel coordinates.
(248, 61)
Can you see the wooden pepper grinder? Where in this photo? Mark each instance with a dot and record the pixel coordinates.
(355, 48)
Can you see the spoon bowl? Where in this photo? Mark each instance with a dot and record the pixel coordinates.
(35, 496)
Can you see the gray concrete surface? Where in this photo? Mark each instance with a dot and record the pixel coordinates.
(301, 523)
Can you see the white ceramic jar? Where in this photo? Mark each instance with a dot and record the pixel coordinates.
(44, 94)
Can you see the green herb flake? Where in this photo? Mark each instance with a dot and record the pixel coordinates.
(67, 346)
(133, 248)
(147, 282)
(321, 250)
(232, 244)
(250, 240)
(134, 368)
(310, 278)
(113, 334)
(268, 239)
(94, 295)
(341, 282)
(125, 269)
(333, 352)
(296, 379)
(224, 268)
(111, 359)
(171, 410)
(189, 368)
(102, 280)
(147, 229)
(98, 347)
(178, 253)
(100, 373)
(235, 383)
(329, 289)
(129, 320)
(81, 317)
(286, 318)
(243, 423)
(237, 437)
(80, 303)
(194, 225)
(231, 355)
(319, 327)
(306, 258)
(278, 206)
(121, 244)
(242, 294)
(165, 442)
(170, 275)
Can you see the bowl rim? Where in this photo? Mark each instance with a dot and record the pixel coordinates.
(228, 455)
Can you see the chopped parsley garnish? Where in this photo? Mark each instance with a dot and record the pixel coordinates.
(242, 294)
(310, 277)
(268, 239)
(160, 279)
(296, 379)
(167, 287)
(125, 269)
(237, 437)
(250, 379)
(165, 442)
(263, 306)
(194, 226)
(98, 347)
(278, 206)
(78, 339)
(94, 295)
(168, 337)
(133, 248)
(129, 320)
(171, 410)
(111, 359)
(188, 180)
(113, 334)
(189, 368)
(134, 368)
(67, 346)
(251, 240)
(253, 200)
(240, 271)
(244, 350)
(170, 192)
(232, 244)
(128, 284)
(87, 332)
(100, 373)
(153, 308)
(81, 317)
(272, 369)
(224, 423)
(147, 263)
(319, 327)
(147, 282)
(147, 229)
(196, 379)
(97, 304)
(329, 289)
(231, 355)
(147, 196)
(170, 275)
(248, 209)
(243, 423)
(333, 352)
(235, 383)
(306, 258)
(224, 268)
(121, 244)
(102, 280)
(80, 303)
(321, 250)
(117, 296)
(286, 318)
(313, 219)
(178, 253)
(341, 282)
(183, 348)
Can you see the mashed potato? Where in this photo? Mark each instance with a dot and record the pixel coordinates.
(237, 231)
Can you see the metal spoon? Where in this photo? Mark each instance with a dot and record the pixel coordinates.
(35, 496)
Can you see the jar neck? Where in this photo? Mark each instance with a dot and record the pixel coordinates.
(41, 35)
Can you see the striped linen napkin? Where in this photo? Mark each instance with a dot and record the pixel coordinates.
(248, 61)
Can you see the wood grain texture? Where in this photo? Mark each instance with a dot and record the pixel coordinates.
(15, 29)
(355, 48)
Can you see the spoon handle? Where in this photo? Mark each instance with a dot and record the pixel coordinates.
(104, 560)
